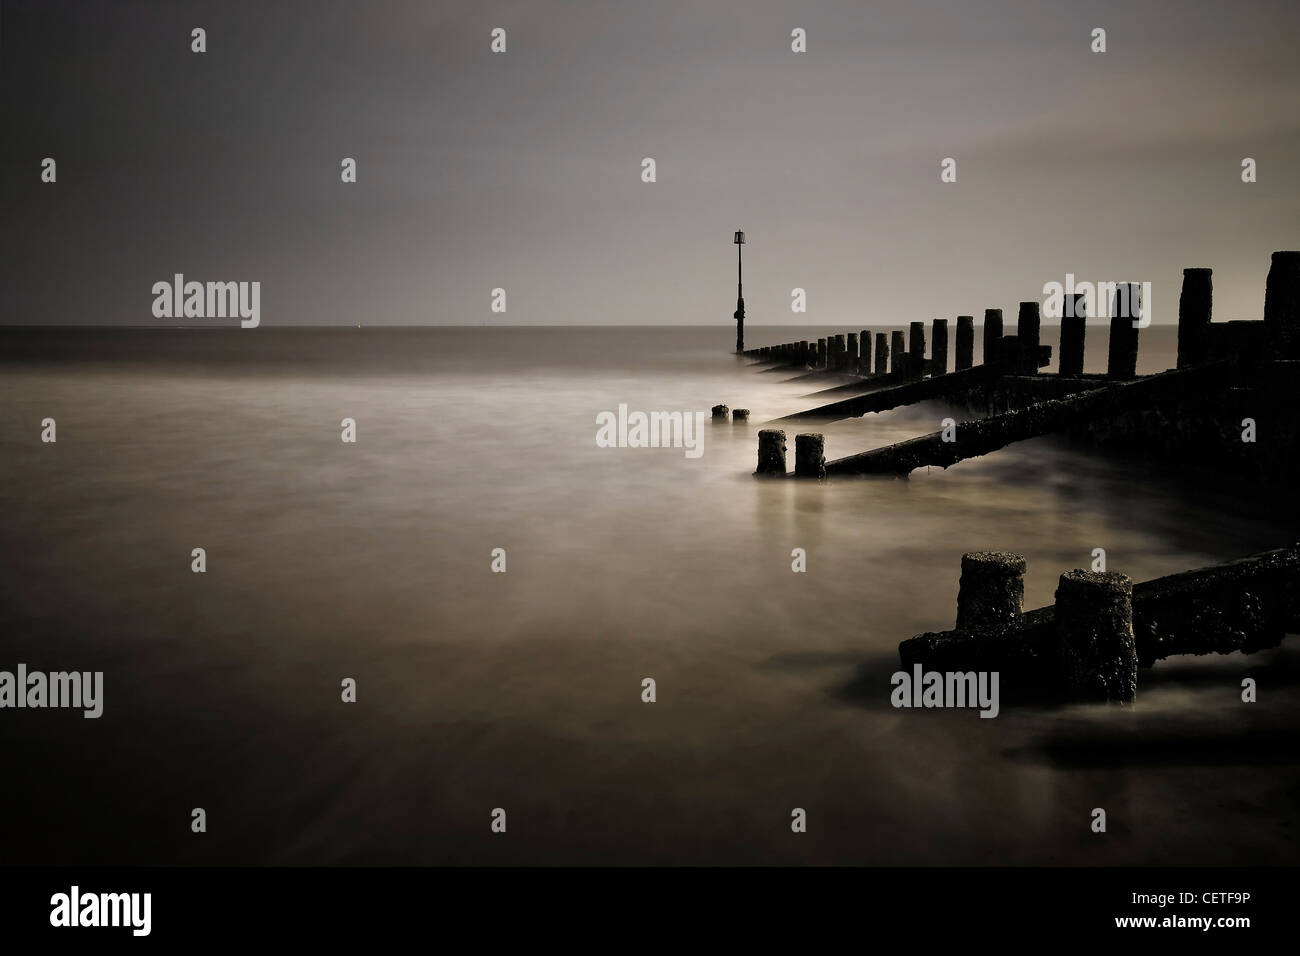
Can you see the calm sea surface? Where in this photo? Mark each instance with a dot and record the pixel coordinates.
(522, 690)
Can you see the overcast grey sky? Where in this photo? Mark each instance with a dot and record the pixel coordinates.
(523, 170)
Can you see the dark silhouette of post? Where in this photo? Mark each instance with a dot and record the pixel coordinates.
(739, 315)
(864, 363)
(1073, 327)
(882, 353)
(992, 335)
(1194, 307)
(915, 349)
(965, 341)
(1122, 352)
(939, 347)
(1282, 305)
(897, 351)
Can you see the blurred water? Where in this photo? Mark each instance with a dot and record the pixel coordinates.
(522, 690)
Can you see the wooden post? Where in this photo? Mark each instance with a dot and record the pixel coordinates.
(1074, 324)
(851, 359)
(882, 353)
(1282, 306)
(810, 456)
(719, 413)
(771, 452)
(916, 349)
(939, 348)
(992, 589)
(739, 415)
(864, 365)
(1094, 631)
(1121, 356)
(897, 352)
(965, 342)
(992, 335)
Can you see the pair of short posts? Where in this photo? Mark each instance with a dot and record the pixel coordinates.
(809, 454)
(1093, 618)
(737, 415)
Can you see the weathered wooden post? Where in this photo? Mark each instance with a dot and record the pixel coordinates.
(965, 342)
(771, 452)
(1122, 353)
(939, 347)
(1194, 306)
(897, 352)
(810, 456)
(992, 336)
(1282, 306)
(915, 349)
(851, 359)
(882, 353)
(739, 415)
(821, 353)
(992, 589)
(1028, 335)
(864, 364)
(1094, 632)
(719, 413)
(1074, 323)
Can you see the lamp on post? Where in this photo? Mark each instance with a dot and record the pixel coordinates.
(739, 315)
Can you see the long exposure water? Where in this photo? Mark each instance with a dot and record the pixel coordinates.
(477, 690)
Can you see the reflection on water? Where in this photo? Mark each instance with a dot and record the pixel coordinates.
(522, 690)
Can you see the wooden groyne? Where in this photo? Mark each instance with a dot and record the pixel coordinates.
(901, 361)
(1091, 642)
(900, 391)
(970, 439)
(1229, 376)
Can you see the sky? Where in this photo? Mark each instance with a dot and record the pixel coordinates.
(522, 170)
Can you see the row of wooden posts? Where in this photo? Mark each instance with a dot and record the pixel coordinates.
(1277, 337)
(1242, 344)
(1023, 352)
